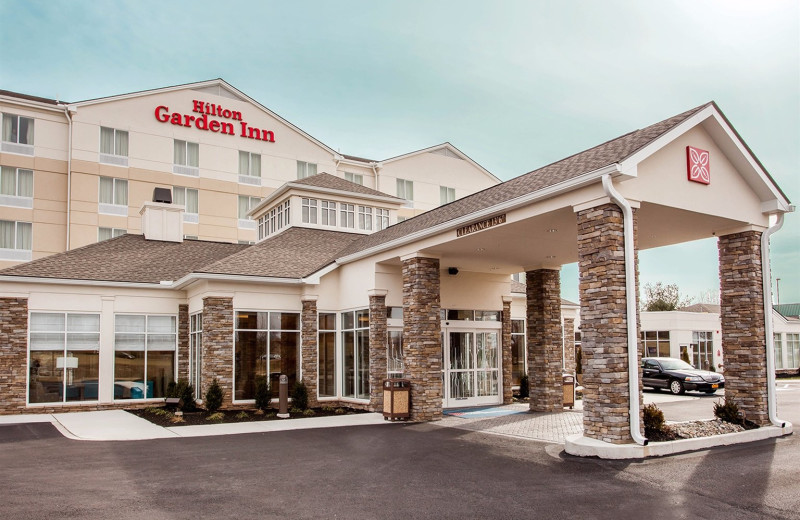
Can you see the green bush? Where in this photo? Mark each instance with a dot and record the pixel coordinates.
(300, 396)
(214, 396)
(653, 418)
(183, 391)
(728, 411)
(263, 393)
(524, 388)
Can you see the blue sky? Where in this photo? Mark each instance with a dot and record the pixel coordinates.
(514, 84)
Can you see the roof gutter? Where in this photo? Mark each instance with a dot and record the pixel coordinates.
(766, 280)
(630, 299)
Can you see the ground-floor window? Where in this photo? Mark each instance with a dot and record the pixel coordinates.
(144, 355)
(655, 343)
(355, 354)
(776, 340)
(266, 346)
(394, 354)
(326, 355)
(518, 362)
(64, 357)
(703, 346)
(196, 353)
(793, 350)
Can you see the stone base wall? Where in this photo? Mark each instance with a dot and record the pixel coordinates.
(183, 342)
(604, 356)
(505, 344)
(543, 288)
(569, 346)
(743, 330)
(309, 323)
(218, 345)
(377, 350)
(13, 354)
(422, 342)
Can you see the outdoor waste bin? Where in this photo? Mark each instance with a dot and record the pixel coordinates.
(396, 399)
(569, 390)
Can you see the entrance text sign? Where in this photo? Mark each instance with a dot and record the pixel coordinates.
(203, 122)
(480, 226)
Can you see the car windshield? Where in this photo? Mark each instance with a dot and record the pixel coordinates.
(675, 364)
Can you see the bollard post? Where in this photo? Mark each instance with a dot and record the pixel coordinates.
(283, 397)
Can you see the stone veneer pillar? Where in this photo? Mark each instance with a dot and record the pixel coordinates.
(742, 316)
(569, 346)
(218, 352)
(601, 265)
(183, 342)
(505, 346)
(422, 341)
(543, 288)
(377, 348)
(309, 323)
(13, 354)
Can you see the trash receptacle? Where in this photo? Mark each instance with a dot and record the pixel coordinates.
(396, 399)
(569, 390)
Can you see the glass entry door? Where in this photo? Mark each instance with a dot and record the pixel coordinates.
(471, 367)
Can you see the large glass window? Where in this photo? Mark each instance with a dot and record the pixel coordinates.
(309, 211)
(104, 233)
(144, 355)
(793, 350)
(196, 353)
(305, 169)
(381, 219)
(16, 235)
(328, 213)
(356, 178)
(655, 343)
(777, 343)
(446, 195)
(347, 215)
(518, 357)
(114, 192)
(189, 199)
(703, 346)
(250, 168)
(405, 189)
(355, 354)
(365, 218)
(326, 355)
(64, 356)
(15, 182)
(113, 141)
(266, 345)
(394, 354)
(17, 129)
(186, 154)
(245, 205)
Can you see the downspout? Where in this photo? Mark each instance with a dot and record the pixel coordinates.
(630, 298)
(766, 279)
(69, 171)
(377, 180)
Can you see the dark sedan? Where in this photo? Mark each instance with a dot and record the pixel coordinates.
(678, 376)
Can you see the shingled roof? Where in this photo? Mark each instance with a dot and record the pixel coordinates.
(605, 154)
(331, 182)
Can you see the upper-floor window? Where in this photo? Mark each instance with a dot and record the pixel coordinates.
(17, 134)
(305, 169)
(356, 178)
(113, 196)
(16, 187)
(187, 197)
(381, 219)
(365, 218)
(347, 215)
(104, 233)
(16, 240)
(245, 205)
(113, 146)
(446, 195)
(250, 168)
(274, 220)
(186, 158)
(328, 213)
(309, 210)
(405, 189)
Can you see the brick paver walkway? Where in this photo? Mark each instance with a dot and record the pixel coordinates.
(548, 427)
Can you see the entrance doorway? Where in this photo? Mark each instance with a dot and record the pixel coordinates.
(471, 366)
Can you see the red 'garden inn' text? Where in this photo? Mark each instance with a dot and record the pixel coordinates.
(203, 122)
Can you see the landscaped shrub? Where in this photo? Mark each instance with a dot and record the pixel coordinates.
(263, 393)
(300, 396)
(524, 389)
(728, 411)
(183, 391)
(214, 396)
(653, 418)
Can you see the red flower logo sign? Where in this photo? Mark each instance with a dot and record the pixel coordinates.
(697, 165)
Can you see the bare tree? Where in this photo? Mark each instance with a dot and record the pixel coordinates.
(663, 297)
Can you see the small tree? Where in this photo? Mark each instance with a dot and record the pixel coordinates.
(263, 393)
(300, 396)
(661, 297)
(214, 396)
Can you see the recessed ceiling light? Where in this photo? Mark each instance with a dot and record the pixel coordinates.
(481, 249)
(550, 257)
(552, 230)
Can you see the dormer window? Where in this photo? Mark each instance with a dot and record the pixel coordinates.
(365, 218)
(348, 215)
(328, 213)
(381, 219)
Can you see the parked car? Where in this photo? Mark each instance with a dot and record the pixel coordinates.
(678, 376)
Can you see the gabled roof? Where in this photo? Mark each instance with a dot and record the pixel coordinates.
(28, 97)
(128, 258)
(702, 307)
(788, 310)
(444, 147)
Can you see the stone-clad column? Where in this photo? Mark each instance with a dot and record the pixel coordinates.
(377, 348)
(309, 323)
(13, 354)
(569, 346)
(218, 345)
(506, 345)
(742, 315)
(183, 341)
(543, 288)
(422, 341)
(601, 265)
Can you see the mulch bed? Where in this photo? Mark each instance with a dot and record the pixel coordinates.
(163, 417)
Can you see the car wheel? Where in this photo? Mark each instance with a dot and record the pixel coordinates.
(676, 387)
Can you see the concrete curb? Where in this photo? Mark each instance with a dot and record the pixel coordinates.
(581, 446)
(207, 430)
